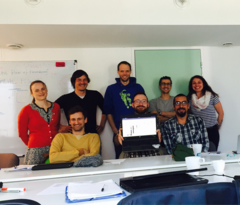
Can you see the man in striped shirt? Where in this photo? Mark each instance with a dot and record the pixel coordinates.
(184, 128)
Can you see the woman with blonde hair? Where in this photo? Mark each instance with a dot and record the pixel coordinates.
(38, 123)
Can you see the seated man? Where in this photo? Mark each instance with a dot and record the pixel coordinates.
(184, 128)
(72, 147)
(140, 105)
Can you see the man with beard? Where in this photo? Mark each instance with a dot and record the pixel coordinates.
(163, 105)
(67, 147)
(118, 98)
(88, 99)
(184, 128)
(140, 105)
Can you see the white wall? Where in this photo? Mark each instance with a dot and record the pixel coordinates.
(121, 12)
(221, 68)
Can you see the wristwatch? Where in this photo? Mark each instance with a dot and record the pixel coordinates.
(160, 113)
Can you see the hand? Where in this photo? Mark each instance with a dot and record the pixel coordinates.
(99, 129)
(159, 135)
(83, 151)
(65, 129)
(120, 138)
(115, 131)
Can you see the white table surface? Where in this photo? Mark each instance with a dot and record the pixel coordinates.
(129, 165)
(35, 187)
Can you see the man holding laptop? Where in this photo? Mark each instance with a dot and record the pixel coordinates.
(140, 105)
(184, 128)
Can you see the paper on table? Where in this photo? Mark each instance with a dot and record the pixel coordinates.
(19, 168)
(93, 190)
(58, 188)
(113, 161)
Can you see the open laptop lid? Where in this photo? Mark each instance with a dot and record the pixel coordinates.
(139, 126)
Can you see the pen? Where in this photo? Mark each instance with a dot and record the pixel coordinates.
(13, 189)
(10, 191)
(103, 187)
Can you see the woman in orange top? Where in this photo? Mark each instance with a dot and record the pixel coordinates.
(38, 123)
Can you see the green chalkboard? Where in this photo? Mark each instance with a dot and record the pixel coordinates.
(180, 65)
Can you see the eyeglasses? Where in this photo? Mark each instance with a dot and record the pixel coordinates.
(179, 103)
(140, 101)
(168, 84)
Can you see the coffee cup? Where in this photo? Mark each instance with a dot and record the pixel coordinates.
(218, 166)
(194, 163)
(197, 148)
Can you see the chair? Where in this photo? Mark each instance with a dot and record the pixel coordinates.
(212, 147)
(216, 193)
(8, 160)
(19, 202)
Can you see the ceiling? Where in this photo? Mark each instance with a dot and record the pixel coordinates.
(100, 36)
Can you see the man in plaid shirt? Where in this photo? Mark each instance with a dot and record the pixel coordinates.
(184, 128)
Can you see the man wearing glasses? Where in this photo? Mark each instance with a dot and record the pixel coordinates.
(184, 128)
(163, 105)
(140, 105)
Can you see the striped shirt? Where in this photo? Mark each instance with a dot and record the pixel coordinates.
(209, 113)
(192, 132)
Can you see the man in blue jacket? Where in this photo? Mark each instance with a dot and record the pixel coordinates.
(118, 98)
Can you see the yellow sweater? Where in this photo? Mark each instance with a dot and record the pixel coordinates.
(64, 147)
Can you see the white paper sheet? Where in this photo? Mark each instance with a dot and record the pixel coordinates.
(113, 161)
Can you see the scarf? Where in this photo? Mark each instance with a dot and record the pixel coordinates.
(202, 102)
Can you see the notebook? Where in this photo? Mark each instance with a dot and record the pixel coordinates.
(139, 132)
(162, 181)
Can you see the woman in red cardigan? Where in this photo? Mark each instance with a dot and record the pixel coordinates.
(38, 123)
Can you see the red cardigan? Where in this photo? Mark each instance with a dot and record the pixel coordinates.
(34, 130)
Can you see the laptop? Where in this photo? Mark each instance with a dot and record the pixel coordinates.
(52, 166)
(162, 181)
(238, 146)
(139, 132)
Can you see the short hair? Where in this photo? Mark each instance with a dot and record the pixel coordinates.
(76, 109)
(180, 95)
(77, 74)
(125, 63)
(139, 93)
(163, 78)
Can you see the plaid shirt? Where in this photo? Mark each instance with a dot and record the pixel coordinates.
(193, 132)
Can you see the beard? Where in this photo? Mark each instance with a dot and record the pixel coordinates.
(140, 111)
(181, 114)
(125, 80)
(77, 129)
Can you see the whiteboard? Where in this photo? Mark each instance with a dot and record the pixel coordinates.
(15, 79)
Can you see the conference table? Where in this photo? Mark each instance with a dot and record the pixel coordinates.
(37, 181)
(129, 165)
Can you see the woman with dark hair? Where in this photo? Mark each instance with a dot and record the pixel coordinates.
(204, 102)
(38, 123)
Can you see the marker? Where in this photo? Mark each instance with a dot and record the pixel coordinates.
(13, 189)
(103, 188)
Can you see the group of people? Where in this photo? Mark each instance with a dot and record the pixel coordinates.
(182, 119)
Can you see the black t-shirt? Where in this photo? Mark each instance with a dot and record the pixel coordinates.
(89, 103)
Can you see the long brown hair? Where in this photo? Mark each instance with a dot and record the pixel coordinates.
(36, 81)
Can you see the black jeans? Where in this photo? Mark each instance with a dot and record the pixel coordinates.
(213, 135)
(118, 148)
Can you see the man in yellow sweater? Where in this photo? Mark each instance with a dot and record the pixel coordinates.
(67, 147)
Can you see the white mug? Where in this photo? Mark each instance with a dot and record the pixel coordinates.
(218, 166)
(194, 163)
(197, 148)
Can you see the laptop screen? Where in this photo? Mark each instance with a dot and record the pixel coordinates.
(139, 125)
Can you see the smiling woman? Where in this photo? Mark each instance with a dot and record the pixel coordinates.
(204, 102)
(38, 123)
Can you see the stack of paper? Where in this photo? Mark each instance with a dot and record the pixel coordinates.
(19, 168)
(77, 192)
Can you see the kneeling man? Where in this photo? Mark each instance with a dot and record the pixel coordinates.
(72, 147)
(184, 128)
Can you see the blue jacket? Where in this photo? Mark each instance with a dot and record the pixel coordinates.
(118, 99)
